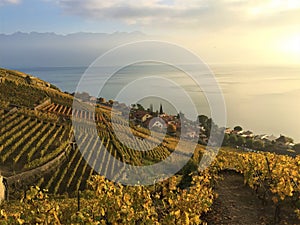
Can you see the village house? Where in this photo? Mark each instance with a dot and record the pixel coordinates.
(284, 142)
(141, 116)
(228, 131)
(260, 136)
(246, 134)
(156, 122)
(269, 138)
(190, 134)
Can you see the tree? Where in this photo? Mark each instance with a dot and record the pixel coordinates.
(249, 142)
(297, 148)
(140, 107)
(151, 108)
(101, 100)
(171, 129)
(161, 111)
(210, 127)
(238, 128)
(225, 140)
(203, 120)
(284, 139)
(241, 141)
(258, 144)
(28, 79)
(180, 115)
(233, 139)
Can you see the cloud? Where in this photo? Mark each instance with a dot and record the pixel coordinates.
(6, 2)
(185, 13)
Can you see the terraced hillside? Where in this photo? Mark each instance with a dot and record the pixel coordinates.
(45, 142)
(100, 150)
(30, 141)
(37, 132)
(21, 89)
(27, 142)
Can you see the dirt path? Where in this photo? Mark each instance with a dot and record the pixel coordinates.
(238, 204)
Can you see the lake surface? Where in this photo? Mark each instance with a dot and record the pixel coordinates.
(264, 99)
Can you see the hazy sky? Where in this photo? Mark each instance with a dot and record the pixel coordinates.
(221, 31)
(218, 31)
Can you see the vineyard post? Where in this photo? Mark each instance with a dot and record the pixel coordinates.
(277, 212)
(24, 194)
(268, 164)
(78, 201)
(7, 195)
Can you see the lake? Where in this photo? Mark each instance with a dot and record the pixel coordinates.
(264, 99)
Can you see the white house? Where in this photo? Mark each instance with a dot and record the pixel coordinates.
(158, 124)
(270, 138)
(191, 134)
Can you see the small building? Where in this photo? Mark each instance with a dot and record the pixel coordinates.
(155, 123)
(228, 131)
(247, 134)
(283, 140)
(191, 134)
(270, 138)
(260, 137)
(141, 116)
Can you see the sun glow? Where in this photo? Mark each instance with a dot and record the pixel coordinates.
(290, 46)
(272, 6)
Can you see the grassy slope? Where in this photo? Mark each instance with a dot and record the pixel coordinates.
(24, 90)
(19, 93)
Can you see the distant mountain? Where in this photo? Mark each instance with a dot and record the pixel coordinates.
(49, 49)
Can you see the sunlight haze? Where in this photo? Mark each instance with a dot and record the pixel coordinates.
(224, 31)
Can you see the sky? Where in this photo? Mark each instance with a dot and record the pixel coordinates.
(256, 32)
(220, 31)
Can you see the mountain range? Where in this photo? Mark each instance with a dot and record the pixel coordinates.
(54, 50)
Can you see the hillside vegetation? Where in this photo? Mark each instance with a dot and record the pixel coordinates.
(51, 181)
(22, 89)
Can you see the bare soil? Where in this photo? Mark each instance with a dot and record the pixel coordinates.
(239, 204)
